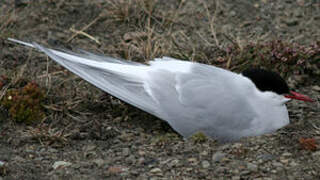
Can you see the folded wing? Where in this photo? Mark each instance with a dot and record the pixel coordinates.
(204, 100)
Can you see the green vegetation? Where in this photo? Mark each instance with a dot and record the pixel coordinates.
(24, 103)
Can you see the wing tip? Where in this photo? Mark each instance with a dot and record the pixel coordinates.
(21, 42)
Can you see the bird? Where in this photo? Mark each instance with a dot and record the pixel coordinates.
(191, 97)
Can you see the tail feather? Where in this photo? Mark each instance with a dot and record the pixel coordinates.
(84, 54)
(113, 76)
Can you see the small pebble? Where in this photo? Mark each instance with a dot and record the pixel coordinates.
(156, 171)
(126, 152)
(316, 88)
(284, 161)
(252, 167)
(99, 162)
(218, 156)
(277, 164)
(61, 164)
(205, 164)
(286, 154)
(236, 178)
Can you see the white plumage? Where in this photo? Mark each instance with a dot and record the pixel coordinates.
(191, 97)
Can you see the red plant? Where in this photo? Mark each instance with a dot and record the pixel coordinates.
(24, 104)
(308, 144)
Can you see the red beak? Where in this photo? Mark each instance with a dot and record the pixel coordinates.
(298, 96)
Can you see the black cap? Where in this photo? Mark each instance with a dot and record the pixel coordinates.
(267, 80)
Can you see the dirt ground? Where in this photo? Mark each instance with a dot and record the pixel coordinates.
(86, 134)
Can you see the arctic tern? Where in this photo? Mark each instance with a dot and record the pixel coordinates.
(191, 97)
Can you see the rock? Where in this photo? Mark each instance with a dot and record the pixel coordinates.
(192, 160)
(266, 157)
(316, 88)
(154, 178)
(284, 161)
(236, 178)
(293, 163)
(125, 151)
(204, 153)
(277, 164)
(233, 13)
(216, 157)
(141, 153)
(173, 163)
(286, 154)
(267, 178)
(252, 167)
(90, 147)
(141, 160)
(61, 164)
(52, 150)
(189, 169)
(220, 169)
(38, 159)
(237, 145)
(205, 164)
(98, 162)
(301, 2)
(131, 159)
(115, 169)
(76, 166)
(316, 154)
(156, 171)
(18, 159)
(298, 13)
(245, 172)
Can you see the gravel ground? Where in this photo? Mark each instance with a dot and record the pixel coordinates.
(89, 135)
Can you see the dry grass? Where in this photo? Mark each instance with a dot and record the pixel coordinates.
(46, 135)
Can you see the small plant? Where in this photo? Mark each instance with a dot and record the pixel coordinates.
(24, 103)
(283, 57)
(308, 144)
(199, 137)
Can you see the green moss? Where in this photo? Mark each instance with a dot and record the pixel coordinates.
(199, 137)
(24, 103)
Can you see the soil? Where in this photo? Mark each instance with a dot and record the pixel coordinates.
(88, 134)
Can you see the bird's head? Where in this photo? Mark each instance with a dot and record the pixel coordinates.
(266, 80)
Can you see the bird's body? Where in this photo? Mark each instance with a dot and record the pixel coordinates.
(191, 97)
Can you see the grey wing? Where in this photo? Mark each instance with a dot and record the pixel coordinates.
(125, 88)
(202, 101)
